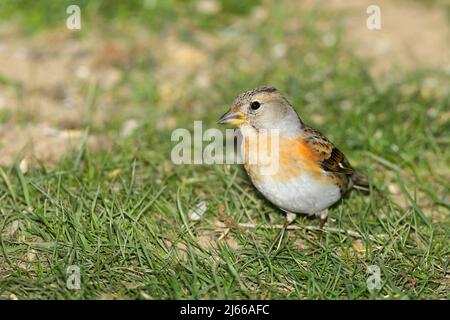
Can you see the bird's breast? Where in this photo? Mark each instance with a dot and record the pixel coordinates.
(287, 173)
(278, 158)
(300, 194)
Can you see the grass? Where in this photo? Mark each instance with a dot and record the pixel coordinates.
(121, 215)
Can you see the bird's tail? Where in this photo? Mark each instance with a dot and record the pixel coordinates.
(360, 181)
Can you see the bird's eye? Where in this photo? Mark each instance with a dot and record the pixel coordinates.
(255, 105)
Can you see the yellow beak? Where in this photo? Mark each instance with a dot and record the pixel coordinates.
(233, 118)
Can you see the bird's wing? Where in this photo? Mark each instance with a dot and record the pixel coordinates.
(331, 158)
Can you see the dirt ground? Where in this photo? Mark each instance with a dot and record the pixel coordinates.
(411, 36)
(49, 81)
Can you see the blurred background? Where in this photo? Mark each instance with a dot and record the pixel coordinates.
(86, 118)
(166, 63)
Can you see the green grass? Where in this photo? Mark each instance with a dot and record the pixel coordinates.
(121, 215)
(40, 15)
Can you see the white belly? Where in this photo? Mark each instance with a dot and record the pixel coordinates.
(299, 195)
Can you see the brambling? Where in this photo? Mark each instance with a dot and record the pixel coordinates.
(312, 174)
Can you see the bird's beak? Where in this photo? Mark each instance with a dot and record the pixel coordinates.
(233, 118)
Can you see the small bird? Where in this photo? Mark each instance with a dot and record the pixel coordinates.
(312, 174)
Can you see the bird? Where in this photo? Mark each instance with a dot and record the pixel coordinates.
(311, 173)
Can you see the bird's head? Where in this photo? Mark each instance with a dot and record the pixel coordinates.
(263, 108)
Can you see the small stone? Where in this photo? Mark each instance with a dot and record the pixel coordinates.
(13, 228)
(83, 72)
(279, 50)
(393, 188)
(23, 166)
(208, 7)
(51, 132)
(128, 128)
(12, 296)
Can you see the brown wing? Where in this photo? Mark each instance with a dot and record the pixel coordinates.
(331, 158)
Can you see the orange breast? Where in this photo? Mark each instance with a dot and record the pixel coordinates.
(294, 157)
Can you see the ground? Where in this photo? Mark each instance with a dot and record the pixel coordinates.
(86, 178)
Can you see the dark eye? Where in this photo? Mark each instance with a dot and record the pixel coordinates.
(255, 105)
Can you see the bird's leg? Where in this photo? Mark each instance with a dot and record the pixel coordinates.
(290, 217)
(323, 215)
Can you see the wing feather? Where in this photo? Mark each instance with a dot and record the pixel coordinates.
(331, 158)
